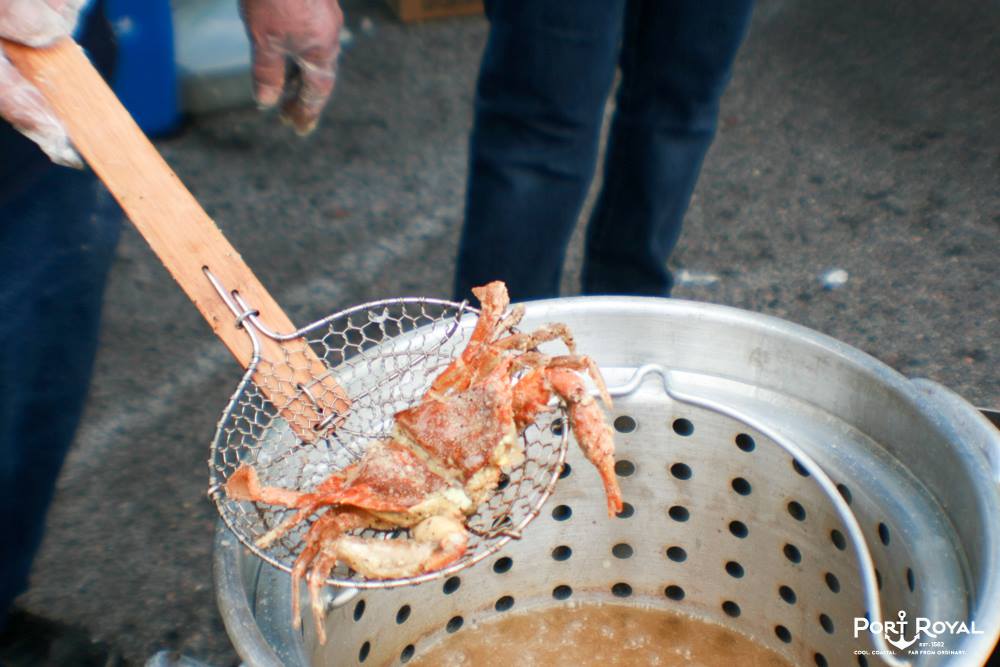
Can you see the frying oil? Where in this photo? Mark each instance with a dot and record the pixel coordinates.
(595, 634)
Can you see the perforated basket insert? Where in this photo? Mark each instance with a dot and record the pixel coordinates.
(720, 523)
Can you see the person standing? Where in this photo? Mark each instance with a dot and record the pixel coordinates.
(58, 232)
(543, 84)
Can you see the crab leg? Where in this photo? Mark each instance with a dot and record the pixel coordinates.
(244, 484)
(510, 320)
(493, 300)
(529, 341)
(316, 558)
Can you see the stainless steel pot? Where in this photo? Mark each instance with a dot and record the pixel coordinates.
(723, 522)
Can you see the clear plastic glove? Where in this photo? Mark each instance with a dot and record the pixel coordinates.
(305, 32)
(35, 23)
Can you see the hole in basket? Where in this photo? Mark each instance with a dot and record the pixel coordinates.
(862, 661)
(883, 533)
(799, 468)
(562, 592)
(502, 565)
(832, 582)
(734, 569)
(504, 603)
(402, 614)
(878, 579)
(624, 468)
(359, 610)
(681, 471)
(504, 481)
(455, 624)
(826, 623)
(677, 554)
(742, 487)
(911, 581)
(557, 427)
(845, 493)
(745, 442)
(562, 552)
(675, 593)
(797, 511)
(621, 590)
(787, 594)
(624, 424)
(683, 427)
(565, 471)
(627, 511)
(731, 608)
(792, 553)
(407, 653)
(363, 653)
(561, 512)
(622, 550)
(738, 529)
(679, 513)
(782, 633)
(451, 585)
(838, 540)
(820, 660)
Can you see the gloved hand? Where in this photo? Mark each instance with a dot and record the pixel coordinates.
(307, 32)
(36, 23)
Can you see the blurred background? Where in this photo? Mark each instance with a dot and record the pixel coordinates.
(854, 188)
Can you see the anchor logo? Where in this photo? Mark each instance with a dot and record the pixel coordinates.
(902, 643)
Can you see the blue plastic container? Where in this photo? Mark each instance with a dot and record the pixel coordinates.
(145, 76)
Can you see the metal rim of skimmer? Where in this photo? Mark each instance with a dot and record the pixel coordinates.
(495, 528)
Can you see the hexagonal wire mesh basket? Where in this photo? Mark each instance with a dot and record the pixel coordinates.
(384, 355)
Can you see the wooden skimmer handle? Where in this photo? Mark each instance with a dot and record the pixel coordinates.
(176, 227)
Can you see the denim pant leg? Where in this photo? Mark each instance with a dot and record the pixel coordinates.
(675, 62)
(57, 242)
(543, 83)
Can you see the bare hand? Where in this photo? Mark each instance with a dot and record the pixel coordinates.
(305, 32)
(35, 23)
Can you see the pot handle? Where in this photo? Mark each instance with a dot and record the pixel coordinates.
(975, 425)
(673, 386)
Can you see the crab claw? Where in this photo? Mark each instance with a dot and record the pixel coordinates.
(586, 421)
(435, 542)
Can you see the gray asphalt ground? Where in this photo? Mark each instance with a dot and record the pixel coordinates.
(862, 135)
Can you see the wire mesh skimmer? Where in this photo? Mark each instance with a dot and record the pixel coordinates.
(384, 356)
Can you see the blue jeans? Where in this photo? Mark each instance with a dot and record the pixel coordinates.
(544, 80)
(57, 240)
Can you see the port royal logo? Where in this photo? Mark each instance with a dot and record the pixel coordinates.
(896, 632)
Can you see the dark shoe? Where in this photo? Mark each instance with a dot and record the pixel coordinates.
(28, 640)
